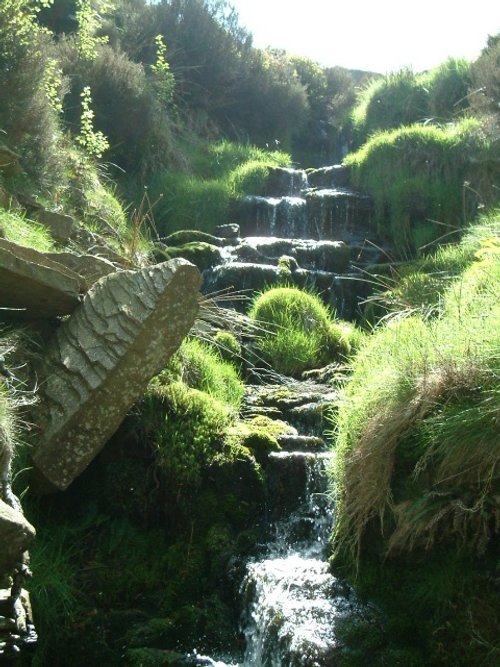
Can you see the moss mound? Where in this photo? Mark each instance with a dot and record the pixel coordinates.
(298, 332)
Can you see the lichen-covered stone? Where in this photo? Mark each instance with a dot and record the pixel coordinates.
(15, 535)
(101, 359)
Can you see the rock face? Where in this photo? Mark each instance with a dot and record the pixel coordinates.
(31, 282)
(61, 227)
(101, 359)
(15, 535)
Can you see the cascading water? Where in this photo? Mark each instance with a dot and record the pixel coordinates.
(291, 600)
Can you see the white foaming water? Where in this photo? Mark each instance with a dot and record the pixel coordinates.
(291, 599)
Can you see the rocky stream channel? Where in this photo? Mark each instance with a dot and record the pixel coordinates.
(310, 231)
(307, 230)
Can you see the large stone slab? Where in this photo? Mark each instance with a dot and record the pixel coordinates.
(32, 283)
(89, 267)
(15, 535)
(101, 359)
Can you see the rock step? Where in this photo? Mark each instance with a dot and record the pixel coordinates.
(301, 443)
(305, 404)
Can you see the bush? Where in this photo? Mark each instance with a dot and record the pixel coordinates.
(389, 102)
(485, 85)
(298, 332)
(417, 175)
(448, 87)
(30, 86)
(126, 108)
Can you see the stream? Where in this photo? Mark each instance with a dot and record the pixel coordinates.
(317, 229)
(291, 602)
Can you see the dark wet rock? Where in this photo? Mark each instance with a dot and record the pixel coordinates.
(285, 181)
(306, 405)
(17, 631)
(339, 291)
(184, 236)
(201, 254)
(61, 227)
(101, 359)
(335, 176)
(16, 533)
(239, 276)
(331, 256)
(229, 231)
(338, 214)
(35, 285)
(301, 443)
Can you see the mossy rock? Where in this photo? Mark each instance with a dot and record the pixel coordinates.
(203, 255)
(184, 236)
(259, 436)
(150, 657)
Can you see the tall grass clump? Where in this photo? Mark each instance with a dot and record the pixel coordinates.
(448, 86)
(423, 180)
(399, 98)
(203, 368)
(419, 285)
(418, 456)
(199, 196)
(298, 331)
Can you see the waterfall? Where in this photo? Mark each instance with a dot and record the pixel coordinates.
(291, 600)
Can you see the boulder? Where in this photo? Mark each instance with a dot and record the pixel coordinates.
(184, 236)
(285, 181)
(100, 360)
(60, 226)
(89, 267)
(229, 231)
(335, 176)
(32, 283)
(15, 535)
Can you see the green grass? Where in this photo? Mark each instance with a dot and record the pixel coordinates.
(416, 175)
(199, 196)
(418, 461)
(397, 99)
(298, 331)
(203, 368)
(25, 232)
(419, 285)
(403, 98)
